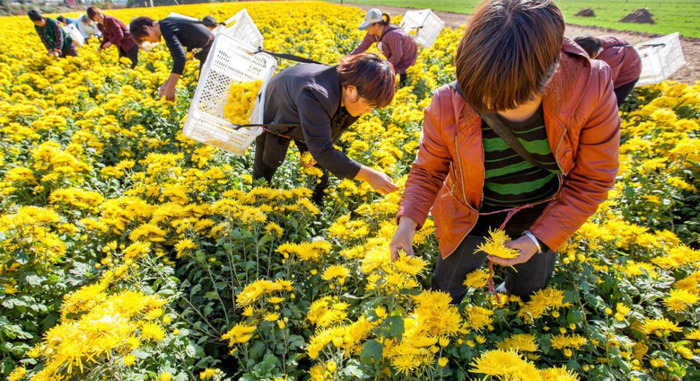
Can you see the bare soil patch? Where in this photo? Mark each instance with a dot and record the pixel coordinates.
(588, 12)
(640, 16)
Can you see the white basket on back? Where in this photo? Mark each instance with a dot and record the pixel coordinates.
(661, 57)
(182, 17)
(230, 61)
(75, 35)
(244, 29)
(425, 24)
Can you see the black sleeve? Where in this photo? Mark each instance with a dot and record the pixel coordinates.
(316, 127)
(177, 51)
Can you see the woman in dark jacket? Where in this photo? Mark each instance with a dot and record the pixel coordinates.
(56, 41)
(396, 45)
(180, 36)
(620, 55)
(320, 102)
(114, 32)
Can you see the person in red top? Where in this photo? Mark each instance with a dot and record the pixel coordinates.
(396, 45)
(114, 32)
(515, 70)
(620, 55)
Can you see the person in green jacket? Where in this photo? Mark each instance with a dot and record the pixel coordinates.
(57, 42)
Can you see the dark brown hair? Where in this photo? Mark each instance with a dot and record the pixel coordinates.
(92, 11)
(137, 28)
(508, 52)
(372, 75)
(589, 43)
(386, 19)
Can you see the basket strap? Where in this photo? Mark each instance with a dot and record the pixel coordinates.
(622, 46)
(265, 127)
(286, 56)
(390, 29)
(651, 45)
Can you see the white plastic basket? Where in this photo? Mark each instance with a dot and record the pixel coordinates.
(75, 35)
(425, 24)
(661, 57)
(244, 29)
(229, 61)
(176, 15)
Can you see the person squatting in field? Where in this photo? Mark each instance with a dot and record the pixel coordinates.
(530, 130)
(314, 105)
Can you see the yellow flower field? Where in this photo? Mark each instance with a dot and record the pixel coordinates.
(130, 252)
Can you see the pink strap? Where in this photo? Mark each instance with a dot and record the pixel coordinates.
(511, 213)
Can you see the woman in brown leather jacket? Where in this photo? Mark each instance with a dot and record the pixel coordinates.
(539, 91)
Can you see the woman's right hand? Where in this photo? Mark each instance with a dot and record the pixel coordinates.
(403, 238)
(379, 181)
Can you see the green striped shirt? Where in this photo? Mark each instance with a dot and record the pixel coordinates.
(510, 179)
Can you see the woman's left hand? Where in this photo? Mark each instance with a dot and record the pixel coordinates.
(527, 250)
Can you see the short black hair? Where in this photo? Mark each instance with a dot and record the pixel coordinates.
(137, 28)
(35, 15)
(209, 21)
(589, 43)
(62, 19)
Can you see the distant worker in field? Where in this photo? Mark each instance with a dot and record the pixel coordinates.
(67, 20)
(622, 58)
(526, 139)
(316, 104)
(57, 42)
(85, 26)
(181, 35)
(115, 33)
(88, 27)
(397, 46)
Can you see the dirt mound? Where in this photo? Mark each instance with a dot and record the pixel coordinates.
(640, 16)
(588, 12)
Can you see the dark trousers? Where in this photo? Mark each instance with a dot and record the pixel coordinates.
(623, 91)
(403, 80)
(527, 278)
(132, 55)
(270, 151)
(70, 51)
(203, 54)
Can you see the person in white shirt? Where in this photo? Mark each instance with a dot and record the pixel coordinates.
(88, 27)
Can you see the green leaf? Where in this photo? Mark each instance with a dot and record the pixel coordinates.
(190, 350)
(34, 280)
(574, 316)
(257, 350)
(371, 351)
(396, 327)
